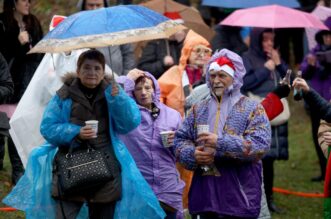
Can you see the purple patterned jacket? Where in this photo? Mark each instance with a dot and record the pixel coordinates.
(244, 136)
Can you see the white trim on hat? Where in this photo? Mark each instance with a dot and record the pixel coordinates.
(216, 67)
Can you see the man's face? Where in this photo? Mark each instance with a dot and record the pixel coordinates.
(94, 4)
(219, 81)
(268, 42)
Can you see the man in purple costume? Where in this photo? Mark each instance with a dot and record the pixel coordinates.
(239, 135)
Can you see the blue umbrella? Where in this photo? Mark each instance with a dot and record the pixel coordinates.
(105, 27)
(250, 3)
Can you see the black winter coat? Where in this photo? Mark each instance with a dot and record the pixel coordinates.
(6, 83)
(21, 65)
(6, 90)
(152, 57)
(260, 81)
(318, 104)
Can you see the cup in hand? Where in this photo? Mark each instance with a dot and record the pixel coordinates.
(202, 129)
(94, 125)
(165, 137)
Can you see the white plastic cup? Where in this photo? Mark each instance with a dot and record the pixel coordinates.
(164, 137)
(202, 129)
(94, 125)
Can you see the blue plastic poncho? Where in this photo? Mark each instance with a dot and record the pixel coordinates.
(32, 193)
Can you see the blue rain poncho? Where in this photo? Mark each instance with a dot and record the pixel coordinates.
(32, 194)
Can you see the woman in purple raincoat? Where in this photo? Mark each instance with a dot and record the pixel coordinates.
(239, 135)
(155, 161)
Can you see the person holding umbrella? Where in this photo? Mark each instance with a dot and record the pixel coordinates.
(86, 95)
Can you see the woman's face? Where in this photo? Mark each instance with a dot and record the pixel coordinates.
(327, 39)
(22, 7)
(143, 93)
(268, 42)
(91, 73)
(200, 55)
(94, 4)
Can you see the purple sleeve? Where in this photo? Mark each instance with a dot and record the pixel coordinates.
(254, 142)
(308, 70)
(184, 144)
(127, 84)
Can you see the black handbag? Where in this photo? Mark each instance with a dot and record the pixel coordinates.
(83, 168)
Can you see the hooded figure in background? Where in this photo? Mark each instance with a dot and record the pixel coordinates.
(155, 160)
(316, 69)
(176, 83)
(239, 135)
(264, 71)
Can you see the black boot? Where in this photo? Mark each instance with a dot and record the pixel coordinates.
(273, 208)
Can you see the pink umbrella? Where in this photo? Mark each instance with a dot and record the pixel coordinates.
(273, 16)
(322, 13)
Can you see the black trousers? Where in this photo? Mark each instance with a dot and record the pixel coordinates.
(70, 210)
(268, 177)
(15, 160)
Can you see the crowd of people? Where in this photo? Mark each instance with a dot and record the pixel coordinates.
(188, 126)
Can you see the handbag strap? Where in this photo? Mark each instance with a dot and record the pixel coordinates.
(75, 144)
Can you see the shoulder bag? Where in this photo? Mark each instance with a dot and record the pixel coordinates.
(81, 168)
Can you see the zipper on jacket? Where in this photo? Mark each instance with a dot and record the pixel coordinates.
(217, 115)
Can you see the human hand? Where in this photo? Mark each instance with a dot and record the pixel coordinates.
(209, 139)
(168, 61)
(114, 90)
(300, 83)
(274, 55)
(24, 37)
(203, 157)
(327, 138)
(135, 73)
(86, 132)
(270, 65)
(311, 59)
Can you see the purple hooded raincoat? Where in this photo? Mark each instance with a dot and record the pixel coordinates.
(156, 163)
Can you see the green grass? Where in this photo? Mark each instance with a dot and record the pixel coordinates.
(293, 174)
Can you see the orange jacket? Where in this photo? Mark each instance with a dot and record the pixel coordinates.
(172, 93)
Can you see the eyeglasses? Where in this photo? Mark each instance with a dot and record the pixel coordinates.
(204, 51)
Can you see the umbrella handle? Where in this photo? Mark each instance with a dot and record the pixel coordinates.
(167, 47)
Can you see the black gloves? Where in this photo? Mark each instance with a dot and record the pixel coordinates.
(282, 90)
